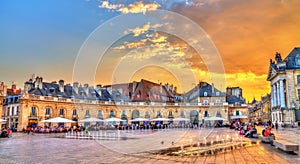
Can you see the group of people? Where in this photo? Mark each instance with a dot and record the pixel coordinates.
(39, 129)
(6, 132)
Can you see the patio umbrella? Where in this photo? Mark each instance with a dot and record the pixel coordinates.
(91, 120)
(58, 119)
(1, 120)
(214, 118)
(181, 119)
(113, 119)
(160, 119)
(237, 117)
(139, 119)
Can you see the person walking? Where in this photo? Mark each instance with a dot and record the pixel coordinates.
(276, 125)
(28, 130)
(8, 132)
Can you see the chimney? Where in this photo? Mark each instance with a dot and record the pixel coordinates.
(160, 88)
(171, 88)
(98, 89)
(134, 84)
(4, 90)
(167, 86)
(75, 87)
(212, 88)
(39, 82)
(61, 85)
(175, 89)
(85, 87)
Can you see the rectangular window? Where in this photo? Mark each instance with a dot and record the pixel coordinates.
(33, 111)
(74, 112)
(61, 112)
(47, 111)
(298, 79)
(299, 96)
(87, 113)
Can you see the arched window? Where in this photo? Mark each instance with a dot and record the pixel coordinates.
(206, 113)
(158, 114)
(100, 115)
(47, 111)
(74, 112)
(87, 113)
(182, 114)
(112, 114)
(33, 111)
(147, 115)
(61, 112)
(170, 114)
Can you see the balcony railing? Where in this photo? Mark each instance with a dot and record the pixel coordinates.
(100, 102)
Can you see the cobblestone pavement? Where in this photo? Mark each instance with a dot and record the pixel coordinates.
(45, 148)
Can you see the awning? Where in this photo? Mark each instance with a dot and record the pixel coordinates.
(237, 117)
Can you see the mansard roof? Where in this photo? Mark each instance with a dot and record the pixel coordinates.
(291, 62)
(293, 59)
(234, 100)
(142, 91)
(201, 88)
(52, 89)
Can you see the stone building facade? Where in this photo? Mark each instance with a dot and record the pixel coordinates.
(43, 100)
(284, 77)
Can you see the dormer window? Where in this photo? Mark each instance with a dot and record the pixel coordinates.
(205, 94)
(297, 60)
(217, 93)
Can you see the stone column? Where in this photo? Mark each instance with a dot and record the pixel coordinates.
(275, 94)
(282, 98)
(278, 94)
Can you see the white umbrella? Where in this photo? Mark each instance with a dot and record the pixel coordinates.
(57, 119)
(181, 119)
(1, 120)
(213, 118)
(160, 119)
(113, 119)
(139, 119)
(92, 120)
(237, 117)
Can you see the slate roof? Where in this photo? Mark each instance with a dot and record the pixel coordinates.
(52, 89)
(234, 100)
(201, 88)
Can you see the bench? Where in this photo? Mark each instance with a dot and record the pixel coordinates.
(269, 139)
(286, 145)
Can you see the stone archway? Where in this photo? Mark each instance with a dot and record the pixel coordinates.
(135, 114)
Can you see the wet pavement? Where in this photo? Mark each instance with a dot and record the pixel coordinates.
(50, 148)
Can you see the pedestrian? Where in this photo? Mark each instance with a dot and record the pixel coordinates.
(28, 130)
(8, 132)
(276, 125)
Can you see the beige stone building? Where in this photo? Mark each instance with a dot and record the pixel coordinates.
(284, 77)
(42, 100)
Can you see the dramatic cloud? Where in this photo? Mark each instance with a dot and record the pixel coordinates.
(136, 7)
(247, 34)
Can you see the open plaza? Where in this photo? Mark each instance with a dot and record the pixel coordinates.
(146, 146)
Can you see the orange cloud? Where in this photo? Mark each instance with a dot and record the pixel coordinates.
(247, 35)
(136, 7)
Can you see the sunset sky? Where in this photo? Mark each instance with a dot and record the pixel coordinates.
(227, 42)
